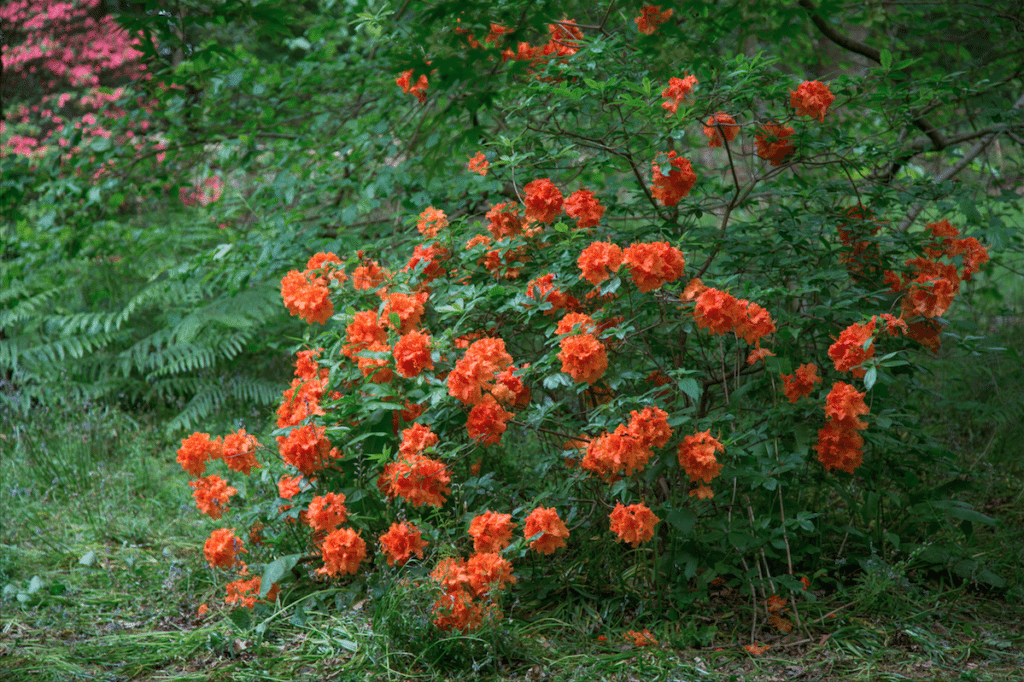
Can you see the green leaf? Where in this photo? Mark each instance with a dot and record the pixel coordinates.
(690, 387)
(869, 378)
(275, 570)
(885, 57)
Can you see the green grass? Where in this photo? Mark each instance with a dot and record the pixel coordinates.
(102, 572)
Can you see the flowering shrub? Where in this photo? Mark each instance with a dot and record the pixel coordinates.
(552, 354)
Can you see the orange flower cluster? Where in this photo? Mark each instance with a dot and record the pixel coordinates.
(598, 261)
(431, 222)
(633, 524)
(401, 541)
(408, 307)
(463, 583)
(653, 264)
(474, 374)
(627, 449)
(697, 457)
(584, 208)
(326, 512)
(239, 452)
(491, 531)
(505, 220)
(720, 313)
(246, 593)
(418, 89)
(839, 445)
(306, 293)
(509, 389)
(416, 439)
(719, 126)
(650, 18)
(543, 200)
(669, 189)
(211, 495)
(774, 143)
(583, 357)
(811, 98)
(543, 289)
(800, 383)
(576, 322)
(196, 451)
(676, 92)
(222, 548)
(364, 331)
(343, 550)
(486, 421)
(306, 449)
(554, 533)
(428, 259)
(417, 479)
(412, 354)
(478, 164)
(644, 638)
(368, 276)
(848, 353)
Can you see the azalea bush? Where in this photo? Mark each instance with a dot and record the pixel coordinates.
(659, 343)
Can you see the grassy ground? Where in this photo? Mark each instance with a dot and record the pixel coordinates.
(102, 577)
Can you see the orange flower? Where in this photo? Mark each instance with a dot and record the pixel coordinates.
(488, 572)
(364, 330)
(845, 405)
(375, 368)
(486, 422)
(475, 372)
(774, 143)
(598, 261)
(848, 352)
(196, 450)
(893, 325)
(491, 532)
(509, 389)
(716, 311)
(431, 222)
(801, 382)
(417, 479)
(343, 550)
(758, 354)
(653, 264)
(211, 495)
(543, 200)
(306, 297)
(504, 221)
(543, 289)
(582, 206)
(576, 322)
(306, 449)
(811, 98)
(650, 427)
(650, 18)
(367, 276)
(478, 164)
(839, 447)
(326, 512)
(412, 354)
(545, 521)
(633, 524)
(222, 548)
(926, 332)
(612, 454)
(697, 457)
(456, 610)
(245, 593)
(428, 259)
(408, 307)
(402, 541)
(416, 439)
(300, 401)
(669, 189)
(720, 126)
(583, 358)
(240, 452)
(289, 486)
(419, 89)
(676, 92)
(752, 322)
(644, 638)
(755, 649)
